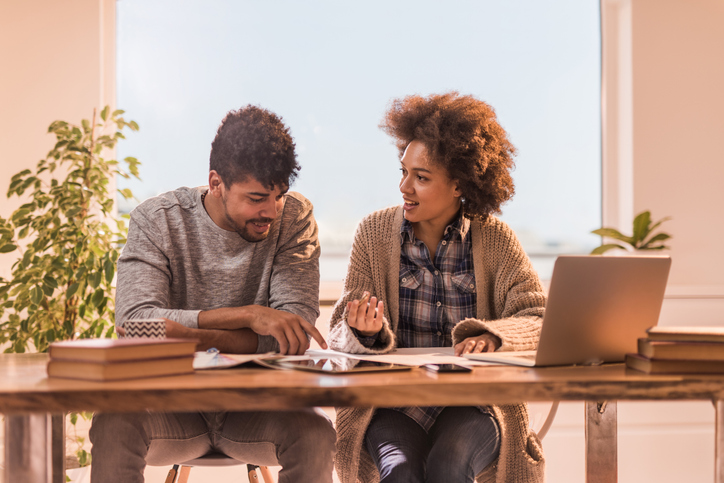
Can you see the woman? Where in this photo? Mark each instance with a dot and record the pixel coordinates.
(440, 270)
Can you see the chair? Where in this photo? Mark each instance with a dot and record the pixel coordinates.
(182, 470)
(536, 416)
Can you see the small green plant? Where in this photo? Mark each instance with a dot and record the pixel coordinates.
(643, 237)
(67, 242)
(61, 285)
(78, 440)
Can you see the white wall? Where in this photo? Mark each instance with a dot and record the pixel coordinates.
(58, 62)
(663, 102)
(678, 99)
(678, 166)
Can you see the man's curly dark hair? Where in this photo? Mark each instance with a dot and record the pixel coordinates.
(461, 134)
(253, 141)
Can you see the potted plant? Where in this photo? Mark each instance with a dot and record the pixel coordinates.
(67, 241)
(643, 238)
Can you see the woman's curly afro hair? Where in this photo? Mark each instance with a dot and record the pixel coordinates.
(462, 134)
(254, 142)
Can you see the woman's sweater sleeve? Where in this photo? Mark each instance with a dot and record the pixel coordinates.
(358, 280)
(517, 297)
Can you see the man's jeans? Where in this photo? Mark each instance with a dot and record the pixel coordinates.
(302, 442)
(461, 443)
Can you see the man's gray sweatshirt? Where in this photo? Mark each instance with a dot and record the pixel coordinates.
(177, 262)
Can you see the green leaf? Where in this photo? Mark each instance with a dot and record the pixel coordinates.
(615, 234)
(36, 295)
(13, 186)
(110, 270)
(50, 281)
(641, 227)
(604, 248)
(656, 225)
(126, 193)
(104, 113)
(83, 458)
(98, 297)
(7, 248)
(658, 237)
(654, 239)
(102, 306)
(19, 214)
(21, 174)
(95, 279)
(80, 273)
(72, 290)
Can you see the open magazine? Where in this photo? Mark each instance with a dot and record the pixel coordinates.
(213, 359)
(330, 361)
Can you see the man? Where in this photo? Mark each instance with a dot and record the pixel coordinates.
(236, 266)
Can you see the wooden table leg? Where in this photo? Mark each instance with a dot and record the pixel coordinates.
(28, 449)
(719, 442)
(601, 442)
(58, 447)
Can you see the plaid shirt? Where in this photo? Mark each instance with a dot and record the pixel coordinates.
(434, 297)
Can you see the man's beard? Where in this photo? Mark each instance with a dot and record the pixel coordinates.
(243, 231)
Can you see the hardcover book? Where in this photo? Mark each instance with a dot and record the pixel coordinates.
(111, 350)
(688, 350)
(671, 366)
(120, 370)
(698, 334)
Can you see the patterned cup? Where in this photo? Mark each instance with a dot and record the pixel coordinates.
(151, 328)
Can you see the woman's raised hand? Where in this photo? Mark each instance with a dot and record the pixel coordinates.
(365, 316)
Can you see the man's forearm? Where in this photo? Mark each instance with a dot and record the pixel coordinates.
(291, 331)
(227, 318)
(239, 341)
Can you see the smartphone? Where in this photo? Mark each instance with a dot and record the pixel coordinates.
(446, 368)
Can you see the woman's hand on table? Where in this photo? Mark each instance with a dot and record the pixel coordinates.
(486, 342)
(365, 317)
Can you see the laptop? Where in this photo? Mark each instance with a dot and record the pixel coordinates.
(597, 308)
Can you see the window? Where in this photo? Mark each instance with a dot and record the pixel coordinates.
(330, 68)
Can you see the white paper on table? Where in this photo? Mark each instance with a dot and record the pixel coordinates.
(217, 360)
(416, 356)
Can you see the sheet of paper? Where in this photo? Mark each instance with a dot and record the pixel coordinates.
(407, 356)
(217, 360)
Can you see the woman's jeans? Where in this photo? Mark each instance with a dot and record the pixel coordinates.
(461, 443)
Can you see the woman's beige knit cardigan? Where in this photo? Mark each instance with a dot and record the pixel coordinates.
(510, 304)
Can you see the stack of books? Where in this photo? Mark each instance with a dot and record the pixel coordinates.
(118, 359)
(680, 350)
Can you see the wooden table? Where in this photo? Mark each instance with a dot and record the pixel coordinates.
(27, 397)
